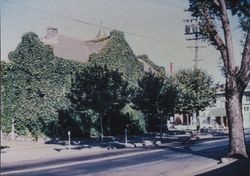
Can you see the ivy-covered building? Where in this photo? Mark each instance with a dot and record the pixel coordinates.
(41, 72)
(112, 50)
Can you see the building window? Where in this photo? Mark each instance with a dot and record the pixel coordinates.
(248, 98)
(246, 108)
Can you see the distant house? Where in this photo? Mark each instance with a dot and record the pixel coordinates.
(216, 115)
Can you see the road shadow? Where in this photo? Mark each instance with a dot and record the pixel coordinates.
(215, 153)
(3, 147)
(237, 168)
(109, 142)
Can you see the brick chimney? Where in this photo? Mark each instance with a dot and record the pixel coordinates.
(51, 32)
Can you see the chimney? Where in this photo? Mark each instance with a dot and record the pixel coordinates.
(51, 32)
(171, 69)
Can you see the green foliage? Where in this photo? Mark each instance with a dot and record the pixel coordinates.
(156, 97)
(196, 90)
(35, 85)
(79, 123)
(160, 71)
(147, 95)
(101, 90)
(45, 94)
(117, 54)
(169, 97)
(8, 97)
(5, 108)
(134, 120)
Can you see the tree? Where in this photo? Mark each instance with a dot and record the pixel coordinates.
(214, 17)
(169, 97)
(147, 99)
(81, 123)
(101, 90)
(133, 120)
(155, 97)
(196, 91)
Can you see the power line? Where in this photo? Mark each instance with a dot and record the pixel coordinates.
(90, 23)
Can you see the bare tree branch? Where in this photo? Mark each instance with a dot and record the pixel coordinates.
(244, 73)
(228, 37)
(216, 3)
(216, 38)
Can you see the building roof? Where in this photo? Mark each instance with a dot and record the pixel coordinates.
(72, 48)
(101, 34)
(150, 66)
(80, 50)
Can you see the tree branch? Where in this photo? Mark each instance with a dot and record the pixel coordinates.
(228, 37)
(216, 3)
(216, 38)
(244, 73)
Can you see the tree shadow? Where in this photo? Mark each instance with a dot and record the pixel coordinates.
(79, 144)
(237, 168)
(240, 167)
(215, 153)
(2, 148)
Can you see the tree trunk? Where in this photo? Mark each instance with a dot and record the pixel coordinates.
(235, 117)
(237, 78)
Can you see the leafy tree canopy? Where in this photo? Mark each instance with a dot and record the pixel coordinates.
(155, 97)
(196, 90)
(100, 89)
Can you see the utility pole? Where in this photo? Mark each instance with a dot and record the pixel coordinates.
(192, 29)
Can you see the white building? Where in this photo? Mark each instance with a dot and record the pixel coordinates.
(216, 115)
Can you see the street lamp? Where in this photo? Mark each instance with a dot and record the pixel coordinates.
(69, 139)
(126, 134)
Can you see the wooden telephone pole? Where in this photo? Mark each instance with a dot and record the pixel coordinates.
(192, 30)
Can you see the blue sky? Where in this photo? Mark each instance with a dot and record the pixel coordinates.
(159, 21)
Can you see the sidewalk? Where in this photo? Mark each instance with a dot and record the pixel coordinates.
(23, 151)
(27, 151)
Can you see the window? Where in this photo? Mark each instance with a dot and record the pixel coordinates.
(248, 98)
(246, 108)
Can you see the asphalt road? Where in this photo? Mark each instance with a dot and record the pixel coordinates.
(162, 161)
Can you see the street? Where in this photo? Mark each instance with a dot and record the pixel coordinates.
(179, 160)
